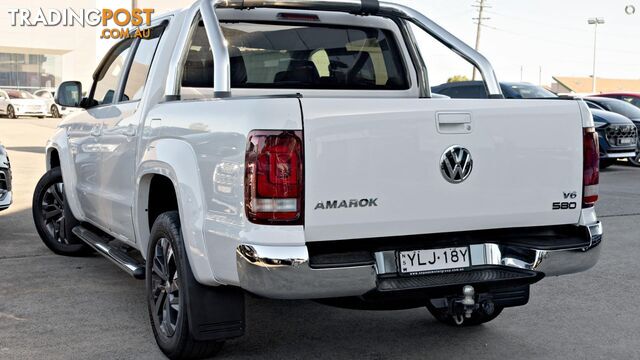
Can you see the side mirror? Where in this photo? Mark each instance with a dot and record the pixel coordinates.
(69, 94)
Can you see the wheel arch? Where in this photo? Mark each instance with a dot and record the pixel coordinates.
(53, 158)
(173, 161)
(58, 153)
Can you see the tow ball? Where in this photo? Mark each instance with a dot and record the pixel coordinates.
(463, 308)
(468, 302)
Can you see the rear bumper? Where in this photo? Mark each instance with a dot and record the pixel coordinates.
(284, 272)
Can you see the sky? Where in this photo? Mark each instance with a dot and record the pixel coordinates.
(548, 34)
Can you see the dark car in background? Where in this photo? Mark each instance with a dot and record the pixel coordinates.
(631, 98)
(5, 179)
(617, 134)
(619, 107)
(477, 90)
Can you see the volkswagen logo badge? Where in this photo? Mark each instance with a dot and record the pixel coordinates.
(456, 164)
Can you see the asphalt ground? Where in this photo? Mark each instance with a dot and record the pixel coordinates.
(53, 307)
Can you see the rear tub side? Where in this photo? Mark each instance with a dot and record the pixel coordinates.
(213, 133)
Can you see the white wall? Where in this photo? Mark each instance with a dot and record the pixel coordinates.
(81, 48)
(77, 45)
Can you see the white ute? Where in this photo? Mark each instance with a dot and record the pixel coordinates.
(292, 149)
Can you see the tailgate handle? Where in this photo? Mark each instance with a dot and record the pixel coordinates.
(453, 123)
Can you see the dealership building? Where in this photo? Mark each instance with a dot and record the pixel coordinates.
(43, 56)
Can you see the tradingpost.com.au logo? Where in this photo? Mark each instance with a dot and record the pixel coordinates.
(123, 18)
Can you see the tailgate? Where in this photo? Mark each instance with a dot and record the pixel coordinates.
(373, 166)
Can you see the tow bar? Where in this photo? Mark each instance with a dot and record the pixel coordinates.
(463, 308)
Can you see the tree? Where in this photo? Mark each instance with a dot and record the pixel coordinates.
(457, 78)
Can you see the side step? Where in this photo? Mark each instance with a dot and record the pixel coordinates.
(104, 248)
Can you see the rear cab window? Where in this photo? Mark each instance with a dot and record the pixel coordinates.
(300, 56)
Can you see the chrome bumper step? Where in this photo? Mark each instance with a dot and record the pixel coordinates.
(485, 276)
(105, 248)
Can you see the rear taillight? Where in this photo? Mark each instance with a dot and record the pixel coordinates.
(274, 177)
(591, 169)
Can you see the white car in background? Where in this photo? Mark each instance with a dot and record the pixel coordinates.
(14, 103)
(55, 110)
(47, 95)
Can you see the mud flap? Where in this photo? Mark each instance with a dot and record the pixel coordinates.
(215, 312)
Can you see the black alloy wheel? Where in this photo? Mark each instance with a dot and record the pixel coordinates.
(165, 288)
(11, 112)
(53, 218)
(54, 112)
(168, 273)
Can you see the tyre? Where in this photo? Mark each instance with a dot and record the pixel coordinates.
(167, 269)
(635, 161)
(11, 112)
(605, 163)
(53, 218)
(478, 317)
(54, 112)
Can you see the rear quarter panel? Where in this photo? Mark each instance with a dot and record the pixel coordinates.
(213, 135)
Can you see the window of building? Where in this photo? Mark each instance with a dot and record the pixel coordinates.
(30, 71)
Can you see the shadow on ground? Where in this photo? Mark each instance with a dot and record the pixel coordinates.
(30, 149)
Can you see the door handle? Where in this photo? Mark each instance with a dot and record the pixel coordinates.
(96, 130)
(453, 123)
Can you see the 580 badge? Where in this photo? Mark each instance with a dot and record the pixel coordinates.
(566, 205)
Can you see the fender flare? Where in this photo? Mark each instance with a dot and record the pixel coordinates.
(59, 143)
(176, 160)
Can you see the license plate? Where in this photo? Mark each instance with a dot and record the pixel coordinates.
(626, 141)
(417, 262)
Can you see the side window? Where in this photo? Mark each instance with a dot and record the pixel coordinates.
(107, 82)
(139, 71)
(593, 106)
(631, 100)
